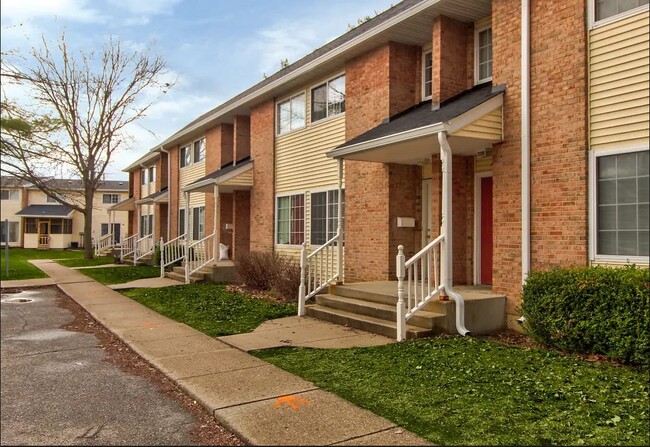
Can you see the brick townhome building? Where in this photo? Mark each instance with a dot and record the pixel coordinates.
(539, 109)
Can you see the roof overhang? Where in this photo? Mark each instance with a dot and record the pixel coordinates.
(235, 180)
(159, 197)
(416, 145)
(124, 205)
(146, 158)
(46, 211)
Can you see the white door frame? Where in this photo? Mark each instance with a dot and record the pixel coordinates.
(477, 223)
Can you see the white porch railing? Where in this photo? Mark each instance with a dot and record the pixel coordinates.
(423, 282)
(143, 247)
(127, 247)
(199, 254)
(103, 243)
(317, 270)
(171, 252)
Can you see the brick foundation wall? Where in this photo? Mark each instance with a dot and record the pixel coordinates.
(262, 195)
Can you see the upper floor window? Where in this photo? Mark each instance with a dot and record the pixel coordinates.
(192, 153)
(143, 177)
(9, 194)
(110, 198)
(483, 55)
(328, 99)
(50, 199)
(427, 75)
(291, 114)
(605, 9)
(152, 174)
(621, 208)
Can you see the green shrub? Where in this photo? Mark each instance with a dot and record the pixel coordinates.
(269, 271)
(591, 310)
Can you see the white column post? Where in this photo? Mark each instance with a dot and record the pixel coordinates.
(401, 307)
(216, 224)
(339, 223)
(301, 289)
(187, 237)
(446, 251)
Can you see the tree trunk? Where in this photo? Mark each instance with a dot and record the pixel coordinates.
(88, 227)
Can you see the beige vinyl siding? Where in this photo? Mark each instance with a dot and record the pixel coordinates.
(619, 71)
(482, 164)
(243, 179)
(187, 175)
(301, 162)
(488, 127)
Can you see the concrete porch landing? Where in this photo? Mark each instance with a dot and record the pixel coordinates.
(371, 306)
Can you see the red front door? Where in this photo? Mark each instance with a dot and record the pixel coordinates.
(486, 230)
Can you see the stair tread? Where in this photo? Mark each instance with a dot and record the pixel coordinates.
(373, 304)
(373, 320)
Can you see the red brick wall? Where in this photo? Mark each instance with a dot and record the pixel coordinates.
(463, 219)
(558, 142)
(404, 76)
(241, 219)
(242, 137)
(405, 191)
(262, 195)
(174, 193)
(226, 215)
(450, 51)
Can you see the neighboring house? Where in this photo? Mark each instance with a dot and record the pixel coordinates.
(37, 220)
(545, 153)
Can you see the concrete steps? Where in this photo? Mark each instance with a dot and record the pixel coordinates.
(178, 273)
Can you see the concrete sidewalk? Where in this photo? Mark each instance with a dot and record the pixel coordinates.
(261, 403)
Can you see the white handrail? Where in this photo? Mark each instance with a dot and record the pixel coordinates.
(199, 254)
(127, 246)
(103, 243)
(317, 270)
(171, 252)
(423, 282)
(143, 247)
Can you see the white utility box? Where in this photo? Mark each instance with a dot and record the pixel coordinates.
(405, 222)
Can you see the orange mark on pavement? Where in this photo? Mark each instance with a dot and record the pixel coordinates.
(149, 325)
(291, 401)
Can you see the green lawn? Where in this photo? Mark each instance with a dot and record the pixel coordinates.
(464, 391)
(120, 275)
(100, 260)
(19, 268)
(210, 308)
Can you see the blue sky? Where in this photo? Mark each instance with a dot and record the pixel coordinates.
(214, 48)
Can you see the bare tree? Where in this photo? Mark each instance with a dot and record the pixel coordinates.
(81, 104)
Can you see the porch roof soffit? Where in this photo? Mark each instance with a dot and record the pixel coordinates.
(222, 176)
(407, 135)
(124, 205)
(161, 196)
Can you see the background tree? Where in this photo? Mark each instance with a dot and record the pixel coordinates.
(80, 106)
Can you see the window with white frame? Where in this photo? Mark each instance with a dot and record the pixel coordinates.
(604, 9)
(110, 198)
(427, 75)
(152, 174)
(198, 223)
(146, 225)
(9, 194)
(324, 215)
(193, 152)
(291, 114)
(483, 55)
(621, 208)
(328, 99)
(290, 223)
(13, 232)
(181, 221)
(143, 177)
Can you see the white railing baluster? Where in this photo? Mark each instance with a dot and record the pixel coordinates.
(315, 272)
(201, 256)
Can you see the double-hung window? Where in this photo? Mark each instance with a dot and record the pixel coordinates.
(324, 215)
(604, 9)
(50, 199)
(110, 198)
(152, 174)
(198, 223)
(192, 153)
(181, 221)
(13, 232)
(427, 75)
(185, 156)
(328, 99)
(621, 208)
(143, 177)
(483, 55)
(146, 225)
(291, 114)
(199, 150)
(290, 225)
(9, 194)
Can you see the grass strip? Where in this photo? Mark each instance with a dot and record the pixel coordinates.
(19, 268)
(120, 275)
(100, 260)
(210, 308)
(464, 391)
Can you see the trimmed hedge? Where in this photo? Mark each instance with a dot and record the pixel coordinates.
(591, 310)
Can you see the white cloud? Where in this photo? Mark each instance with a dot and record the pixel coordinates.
(146, 7)
(16, 11)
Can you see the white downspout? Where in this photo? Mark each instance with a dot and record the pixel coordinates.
(446, 265)
(169, 191)
(525, 139)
